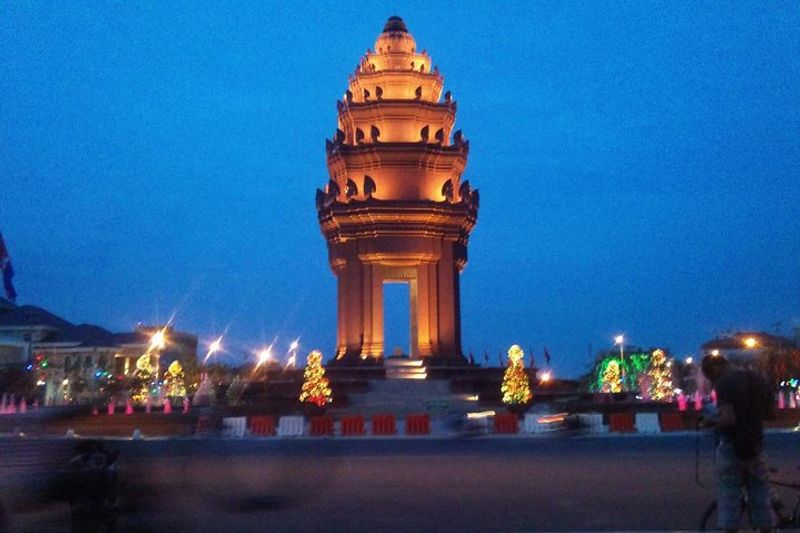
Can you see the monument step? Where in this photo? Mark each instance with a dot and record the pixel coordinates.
(402, 362)
(401, 397)
(410, 388)
(406, 373)
(404, 368)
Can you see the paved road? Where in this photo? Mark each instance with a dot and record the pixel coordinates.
(482, 484)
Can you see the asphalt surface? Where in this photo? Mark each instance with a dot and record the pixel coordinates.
(600, 483)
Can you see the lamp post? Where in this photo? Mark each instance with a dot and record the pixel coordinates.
(158, 341)
(292, 362)
(620, 339)
(214, 347)
(264, 356)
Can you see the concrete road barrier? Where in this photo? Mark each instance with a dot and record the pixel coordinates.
(291, 426)
(647, 423)
(234, 426)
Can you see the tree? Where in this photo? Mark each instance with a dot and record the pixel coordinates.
(191, 374)
(174, 384)
(235, 390)
(612, 378)
(16, 380)
(780, 365)
(76, 385)
(316, 387)
(142, 379)
(660, 377)
(516, 388)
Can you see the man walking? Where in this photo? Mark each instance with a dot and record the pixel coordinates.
(744, 401)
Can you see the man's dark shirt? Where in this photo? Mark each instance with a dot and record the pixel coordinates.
(750, 397)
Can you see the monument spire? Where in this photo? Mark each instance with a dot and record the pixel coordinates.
(395, 207)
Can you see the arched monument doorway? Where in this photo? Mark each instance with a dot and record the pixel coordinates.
(399, 316)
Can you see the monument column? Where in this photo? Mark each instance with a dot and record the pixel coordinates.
(352, 310)
(447, 305)
(421, 313)
(372, 281)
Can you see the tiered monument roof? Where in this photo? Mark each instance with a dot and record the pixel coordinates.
(392, 121)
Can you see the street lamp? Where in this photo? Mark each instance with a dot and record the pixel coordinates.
(214, 347)
(265, 355)
(292, 362)
(158, 341)
(620, 339)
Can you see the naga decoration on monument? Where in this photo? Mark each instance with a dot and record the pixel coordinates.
(396, 208)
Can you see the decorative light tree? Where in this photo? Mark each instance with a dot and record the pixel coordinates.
(316, 387)
(612, 378)
(516, 388)
(660, 377)
(174, 383)
(143, 378)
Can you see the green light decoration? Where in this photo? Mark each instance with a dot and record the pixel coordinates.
(632, 367)
(612, 378)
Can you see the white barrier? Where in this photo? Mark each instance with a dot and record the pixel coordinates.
(531, 424)
(647, 423)
(234, 426)
(291, 426)
(593, 422)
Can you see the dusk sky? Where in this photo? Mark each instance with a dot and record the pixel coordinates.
(638, 165)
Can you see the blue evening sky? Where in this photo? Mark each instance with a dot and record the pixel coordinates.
(638, 163)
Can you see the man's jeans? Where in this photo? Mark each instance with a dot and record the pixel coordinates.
(734, 475)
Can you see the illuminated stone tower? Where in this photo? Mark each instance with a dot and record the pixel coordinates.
(395, 208)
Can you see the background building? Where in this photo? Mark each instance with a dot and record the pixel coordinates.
(777, 357)
(747, 347)
(45, 357)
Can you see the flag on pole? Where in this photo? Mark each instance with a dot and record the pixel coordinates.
(547, 356)
(3, 252)
(8, 271)
(533, 357)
